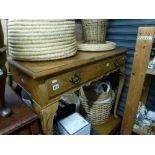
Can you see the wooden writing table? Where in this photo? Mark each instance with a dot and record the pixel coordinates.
(47, 81)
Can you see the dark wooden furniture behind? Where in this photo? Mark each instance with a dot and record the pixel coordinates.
(47, 81)
(22, 121)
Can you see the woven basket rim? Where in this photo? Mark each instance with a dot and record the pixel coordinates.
(108, 45)
(46, 57)
(96, 45)
(58, 50)
(41, 54)
(93, 20)
(42, 22)
(98, 102)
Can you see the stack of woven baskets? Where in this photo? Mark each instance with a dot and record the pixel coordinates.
(41, 40)
(95, 36)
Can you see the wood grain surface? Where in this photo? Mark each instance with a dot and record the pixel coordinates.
(70, 74)
(22, 116)
(40, 69)
(139, 69)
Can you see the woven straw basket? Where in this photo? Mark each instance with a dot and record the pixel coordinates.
(41, 40)
(98, 111)
(94, 30)
(108, 45)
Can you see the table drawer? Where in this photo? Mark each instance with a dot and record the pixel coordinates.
(68, 80)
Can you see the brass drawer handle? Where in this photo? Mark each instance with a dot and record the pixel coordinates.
(75, 79)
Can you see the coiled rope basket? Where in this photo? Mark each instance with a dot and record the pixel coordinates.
(41, 40)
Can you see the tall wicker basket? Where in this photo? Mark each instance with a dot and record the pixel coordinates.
(98, 112)
(94, 30)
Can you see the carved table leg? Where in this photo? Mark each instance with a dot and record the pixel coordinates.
(120, 87)
(47, 115)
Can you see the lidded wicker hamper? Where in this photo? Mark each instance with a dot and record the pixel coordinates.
(98, 111)
(94, 30)
(41, 40)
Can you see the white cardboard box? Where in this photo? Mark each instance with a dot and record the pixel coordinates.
(74, 124)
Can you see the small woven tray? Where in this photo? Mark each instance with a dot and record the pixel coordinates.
(97, 47)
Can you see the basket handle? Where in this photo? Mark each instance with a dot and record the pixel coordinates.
(108, 86)
(82, 92)
(83, 97)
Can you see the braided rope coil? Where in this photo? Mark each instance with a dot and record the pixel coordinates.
(41, 40)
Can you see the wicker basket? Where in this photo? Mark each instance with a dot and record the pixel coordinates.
(107, 46)
(98, 112)
(94, 30)
(41, 40)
